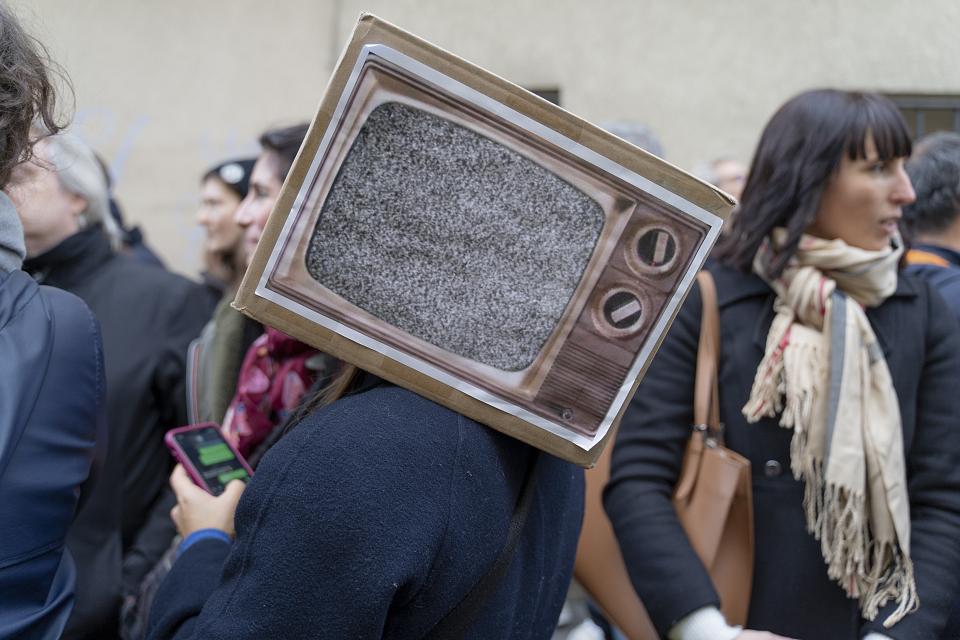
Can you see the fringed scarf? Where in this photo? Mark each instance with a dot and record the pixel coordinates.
(824, 370)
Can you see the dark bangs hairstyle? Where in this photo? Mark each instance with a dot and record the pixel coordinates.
(798, 154)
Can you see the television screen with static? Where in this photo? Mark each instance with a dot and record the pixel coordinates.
(490, 260)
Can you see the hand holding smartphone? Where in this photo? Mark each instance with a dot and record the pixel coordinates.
(209, 460)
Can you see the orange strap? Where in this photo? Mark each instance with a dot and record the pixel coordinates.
(918, 256)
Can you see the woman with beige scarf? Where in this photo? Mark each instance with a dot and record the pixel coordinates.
(839, 381)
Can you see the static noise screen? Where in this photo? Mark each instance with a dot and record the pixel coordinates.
(453, 237)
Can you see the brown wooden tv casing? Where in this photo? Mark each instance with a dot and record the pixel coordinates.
(585, 364)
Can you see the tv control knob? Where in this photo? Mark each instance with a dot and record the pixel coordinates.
(656, 247)
(622, 310)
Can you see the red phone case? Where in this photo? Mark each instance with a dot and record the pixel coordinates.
(184, 459)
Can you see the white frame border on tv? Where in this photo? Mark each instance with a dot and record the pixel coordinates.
(535, 128)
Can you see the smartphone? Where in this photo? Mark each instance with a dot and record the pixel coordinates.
(209, 459)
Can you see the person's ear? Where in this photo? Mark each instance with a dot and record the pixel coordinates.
(77, 205)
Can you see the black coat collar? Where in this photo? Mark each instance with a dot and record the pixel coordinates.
(72, 261)
(735, 286)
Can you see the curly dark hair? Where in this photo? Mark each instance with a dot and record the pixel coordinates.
(27, 95)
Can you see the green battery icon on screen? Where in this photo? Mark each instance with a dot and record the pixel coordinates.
(215, 454)
(236, 474)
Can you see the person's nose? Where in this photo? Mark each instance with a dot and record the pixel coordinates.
(242, 216)
(903, 193)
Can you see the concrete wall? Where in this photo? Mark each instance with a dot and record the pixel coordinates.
(165, 89)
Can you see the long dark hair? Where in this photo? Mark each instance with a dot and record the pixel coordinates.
(798, 153)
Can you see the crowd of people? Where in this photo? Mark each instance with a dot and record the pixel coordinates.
(374, 512)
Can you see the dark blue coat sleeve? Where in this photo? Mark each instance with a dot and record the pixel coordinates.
(54, 403)
(194, 576)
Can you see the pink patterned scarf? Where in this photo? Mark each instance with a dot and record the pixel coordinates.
(276, 372)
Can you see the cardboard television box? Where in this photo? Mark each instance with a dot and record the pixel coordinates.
(461, 237)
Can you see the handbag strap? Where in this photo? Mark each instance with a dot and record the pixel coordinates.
(706, 396)
(459, 619)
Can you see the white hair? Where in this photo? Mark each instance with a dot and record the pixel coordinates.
(79, 172)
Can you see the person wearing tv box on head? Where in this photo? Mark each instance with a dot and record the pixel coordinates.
(837, 380)
(52, 418)
(375, 515)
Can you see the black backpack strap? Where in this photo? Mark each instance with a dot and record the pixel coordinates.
(459, 619)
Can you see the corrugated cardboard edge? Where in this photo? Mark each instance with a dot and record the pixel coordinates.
(372, 30)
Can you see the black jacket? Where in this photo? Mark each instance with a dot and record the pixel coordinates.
(148, 316)
(792, 594)
(372, 519)
(52, 423)
(945, 277)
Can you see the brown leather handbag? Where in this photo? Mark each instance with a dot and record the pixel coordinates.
(713, 500)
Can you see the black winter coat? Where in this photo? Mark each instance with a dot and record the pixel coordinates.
(372, 519)
(148, 317)
(792, 594)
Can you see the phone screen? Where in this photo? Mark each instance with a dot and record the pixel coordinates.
(212, 457)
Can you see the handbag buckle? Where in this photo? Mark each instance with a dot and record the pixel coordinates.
(711, 438)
